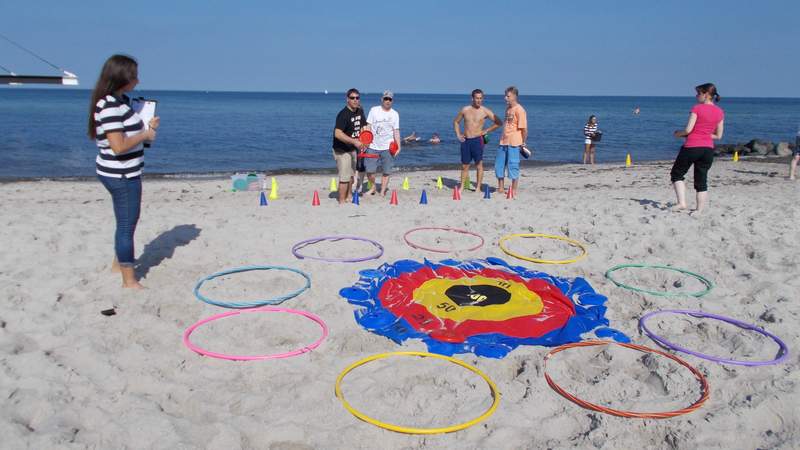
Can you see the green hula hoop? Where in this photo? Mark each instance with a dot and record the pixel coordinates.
(709, 285)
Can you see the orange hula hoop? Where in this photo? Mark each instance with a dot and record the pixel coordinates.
(628, 414)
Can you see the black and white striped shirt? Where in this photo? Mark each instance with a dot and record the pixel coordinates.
(114, 114)
(589, 130)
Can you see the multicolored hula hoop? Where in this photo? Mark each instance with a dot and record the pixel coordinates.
(243, 305)
(439, 250)
(571, 242)
(709, 285)
(188, 343)
(628, 414)
(782, 354)
(296, 248)
(411, 430)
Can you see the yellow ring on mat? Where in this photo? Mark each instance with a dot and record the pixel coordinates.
(410, 430)
(572, 242)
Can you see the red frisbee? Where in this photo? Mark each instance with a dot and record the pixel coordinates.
(393, 148)
(365, 137)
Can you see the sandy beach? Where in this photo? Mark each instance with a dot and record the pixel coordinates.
(73, 378)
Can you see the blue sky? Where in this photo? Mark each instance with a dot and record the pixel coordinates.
(546, 48)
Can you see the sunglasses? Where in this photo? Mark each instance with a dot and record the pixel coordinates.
(388, 99)
(354, 98)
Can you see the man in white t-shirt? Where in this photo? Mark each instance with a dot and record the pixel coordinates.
(384, 122)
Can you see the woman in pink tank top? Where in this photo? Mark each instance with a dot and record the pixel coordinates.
(706, 123)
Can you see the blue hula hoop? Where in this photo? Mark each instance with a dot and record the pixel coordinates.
(256, 303)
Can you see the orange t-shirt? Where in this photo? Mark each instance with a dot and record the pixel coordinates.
(516, 120)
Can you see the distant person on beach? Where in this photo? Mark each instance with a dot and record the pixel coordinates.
(474, 116)
(346, 143)
(411, 138)
(590, 133)
(384, 122)
(706, 123)
(795, 157)
(512, 142)
(435, 139)
(636, 111)
(120, 135)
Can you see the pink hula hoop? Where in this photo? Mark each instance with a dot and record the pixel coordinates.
(188, 343)
(439, 250)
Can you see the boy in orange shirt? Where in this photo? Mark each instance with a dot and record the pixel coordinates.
(515, 134)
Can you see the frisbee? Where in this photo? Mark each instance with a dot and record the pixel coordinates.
(393, 149)
(365, 137)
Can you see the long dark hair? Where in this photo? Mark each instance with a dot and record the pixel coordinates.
(710, 89)
(589, 122)
(117, 72)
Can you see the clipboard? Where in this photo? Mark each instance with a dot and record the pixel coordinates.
(146, 109)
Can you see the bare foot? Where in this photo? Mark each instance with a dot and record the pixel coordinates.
(132, 285)
(696, 213)
(679, 208)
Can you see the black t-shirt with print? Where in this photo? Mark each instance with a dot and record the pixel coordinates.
(350, 122)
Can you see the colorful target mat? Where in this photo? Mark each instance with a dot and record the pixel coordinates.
(486, 306)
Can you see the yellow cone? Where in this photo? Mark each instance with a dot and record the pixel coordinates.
(405, 184)
(628, 160)
(273, 193)
(369, 185)
(736, 156)
(439, 183)
(334, 185)
(469, 184)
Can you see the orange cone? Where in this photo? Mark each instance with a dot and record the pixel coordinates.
(315, 199)
(393, 201)
(510, 193)
(457, 193)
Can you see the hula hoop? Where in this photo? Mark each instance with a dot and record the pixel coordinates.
(709, 285)
(188, 343)
(783, 352)
(296, 248)
(242, 305)
(411, 430)
(572, 242)
(628, 414)
(439, 250)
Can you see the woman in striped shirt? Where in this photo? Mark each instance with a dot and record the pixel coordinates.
(120, 135)
(589, 131)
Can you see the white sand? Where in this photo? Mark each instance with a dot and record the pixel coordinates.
(72, 378)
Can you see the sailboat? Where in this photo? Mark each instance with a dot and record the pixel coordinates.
(66, 78)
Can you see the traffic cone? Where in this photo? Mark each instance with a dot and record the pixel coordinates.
(423, 199)
(628, 160)
(334, 185)
(273, 193)
(486, 192)
(356, 200)
(457, 193)
(736, 156)
(369, 185)
(439, 183)
(405, 184)
(393, 201)
(469, 184)
(315, 199)
(263, 199)
(510, 193)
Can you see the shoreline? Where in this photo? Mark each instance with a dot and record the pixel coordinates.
(221, 175)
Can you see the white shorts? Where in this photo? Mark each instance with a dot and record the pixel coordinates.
(587, 141)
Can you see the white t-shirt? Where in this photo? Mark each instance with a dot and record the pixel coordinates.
(383, 123)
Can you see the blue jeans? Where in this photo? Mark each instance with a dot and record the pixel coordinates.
(507, 156)
(126, 194)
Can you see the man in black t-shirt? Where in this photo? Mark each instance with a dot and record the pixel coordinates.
(345, 142)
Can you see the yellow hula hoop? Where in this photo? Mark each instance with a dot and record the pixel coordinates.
(411, 430)
(572, 242)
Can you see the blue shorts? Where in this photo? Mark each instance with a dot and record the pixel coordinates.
(507, 156)
(386, 159)
(472, 150)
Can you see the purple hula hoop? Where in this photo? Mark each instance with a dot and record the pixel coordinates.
(296, 248)
(782, 354)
